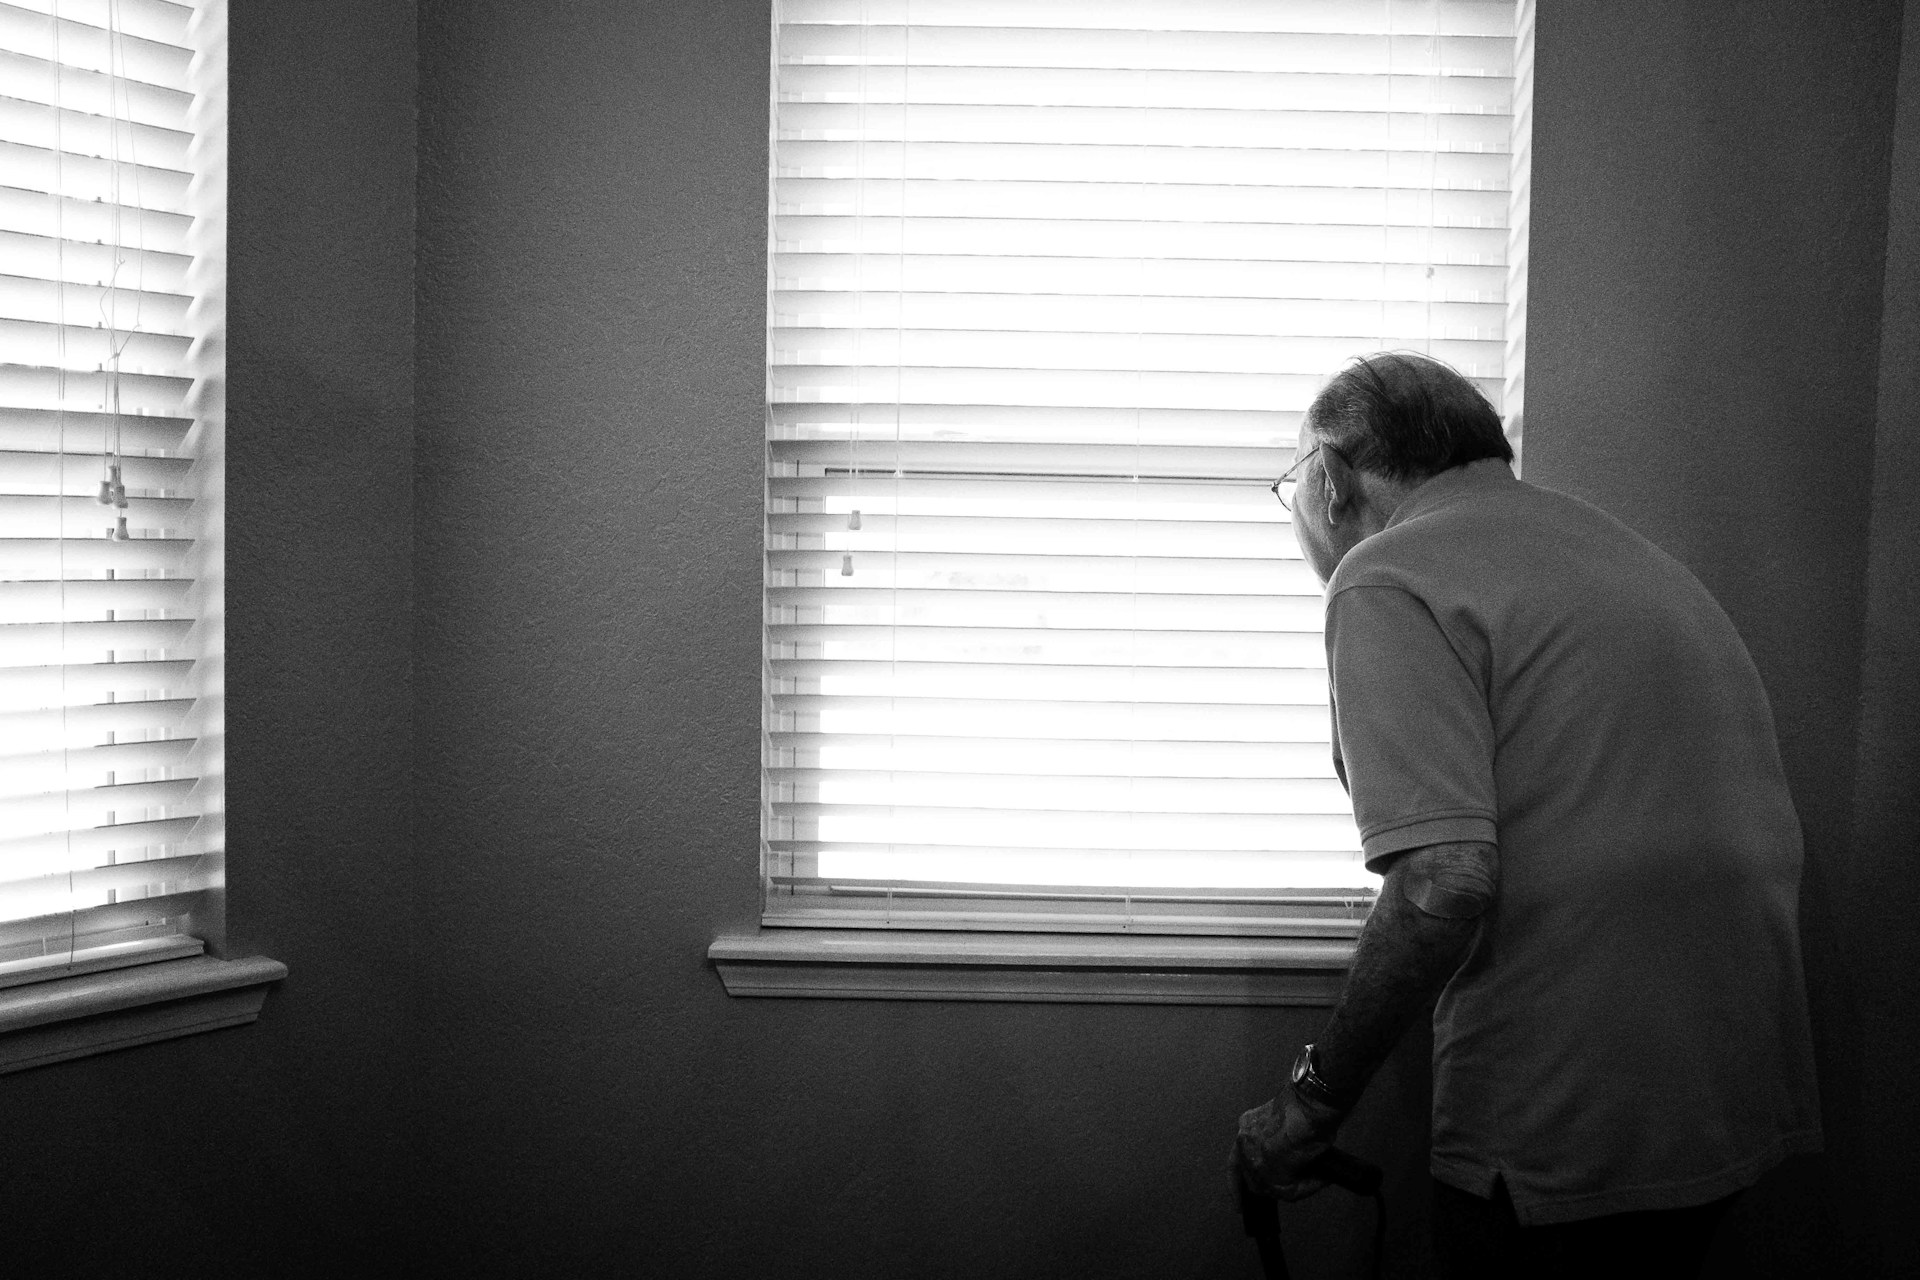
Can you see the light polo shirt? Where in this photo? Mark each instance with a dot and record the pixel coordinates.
(1629, 1032)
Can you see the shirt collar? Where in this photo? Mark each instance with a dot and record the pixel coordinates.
(1474, 477)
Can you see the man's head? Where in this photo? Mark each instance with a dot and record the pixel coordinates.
(1380, 427)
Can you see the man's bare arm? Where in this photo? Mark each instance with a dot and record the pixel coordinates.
(1421, 929)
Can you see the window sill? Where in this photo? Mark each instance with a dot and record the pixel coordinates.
(884, 964)
(92, 1013)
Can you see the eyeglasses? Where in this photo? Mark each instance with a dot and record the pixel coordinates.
(1283, 487)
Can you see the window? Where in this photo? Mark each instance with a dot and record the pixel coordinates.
(1050, 285)
(112, 258)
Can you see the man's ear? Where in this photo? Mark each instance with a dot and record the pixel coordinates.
(1344, 483)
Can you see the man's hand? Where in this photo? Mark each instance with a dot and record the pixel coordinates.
(1277, 1143)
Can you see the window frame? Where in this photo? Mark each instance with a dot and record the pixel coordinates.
(172, 988)
(1111, 961)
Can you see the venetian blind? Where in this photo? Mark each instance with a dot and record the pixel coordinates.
(1051, 283)
(111, 141)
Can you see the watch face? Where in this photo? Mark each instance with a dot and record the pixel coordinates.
(1300, 1066)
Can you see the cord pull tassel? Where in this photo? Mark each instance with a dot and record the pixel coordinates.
(846, 566)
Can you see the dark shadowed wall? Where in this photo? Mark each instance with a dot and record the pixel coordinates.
(286, 1148)
(501, 1052)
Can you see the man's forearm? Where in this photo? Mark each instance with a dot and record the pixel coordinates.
(1404, 958)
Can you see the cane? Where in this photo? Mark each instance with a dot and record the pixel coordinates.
(1260, 1214)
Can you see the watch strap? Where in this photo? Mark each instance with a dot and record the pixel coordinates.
(1313, 1087)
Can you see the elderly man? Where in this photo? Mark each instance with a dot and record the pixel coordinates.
(1562, 761)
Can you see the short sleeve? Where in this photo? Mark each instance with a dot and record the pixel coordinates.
(1412, 737)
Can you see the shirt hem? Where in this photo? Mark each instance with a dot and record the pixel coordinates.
(1432, 828)
(1683, 1194)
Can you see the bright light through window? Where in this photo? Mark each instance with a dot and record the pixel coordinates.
(1051, 284)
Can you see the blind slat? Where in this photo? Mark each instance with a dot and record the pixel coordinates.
(1134, 163)
(34, 461)
(87, 133)
(1466, 17)
(103, 885)
(798, 312)
(155, 20)
(1106, 575)
(148, 47)
(1023, 791)
(42, 81)
(71, 261)
(910, 678)
(77, 177)
(42, 602)
(1145, 50)
(992, 752)
(1188, 278)
(92, 766)
(78, 686)
(86, 349)
(878, 81)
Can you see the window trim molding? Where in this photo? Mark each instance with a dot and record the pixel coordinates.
(1078, 968)
(54, 1021)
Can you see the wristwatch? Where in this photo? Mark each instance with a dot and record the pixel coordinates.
(1312, 1086)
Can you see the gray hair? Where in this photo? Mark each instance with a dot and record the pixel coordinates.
(1406, 416)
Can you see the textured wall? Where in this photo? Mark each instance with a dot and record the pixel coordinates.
(1709, 223)
(1886, 872)
(284, 1148)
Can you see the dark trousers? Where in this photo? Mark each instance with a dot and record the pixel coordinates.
(1480, 1239)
